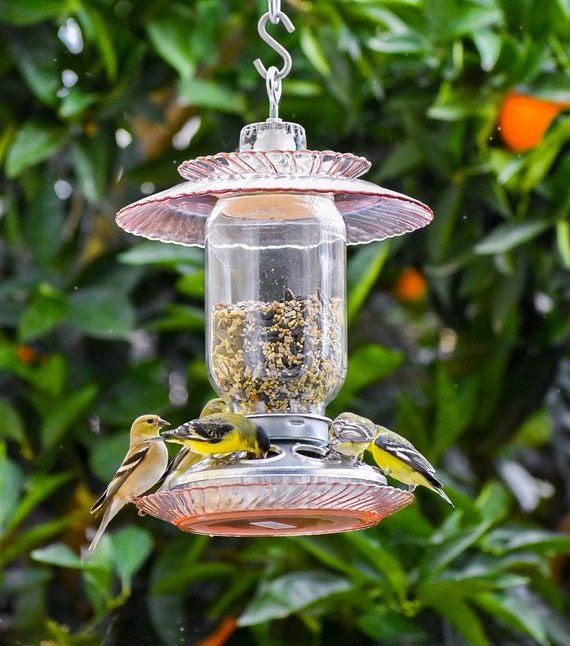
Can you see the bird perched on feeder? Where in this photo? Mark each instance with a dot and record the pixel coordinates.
(220, 434)
(400, 459)
(141, 468)
(350, 435)
(186, 458)
(215, 406)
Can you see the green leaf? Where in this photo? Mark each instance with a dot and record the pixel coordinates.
(508, 539)
(462, 617)
(508, 236)
(36, 59)
(488, 45)
(211, 95)
(494, 502)
(43, 223)
(535, 431)
(11, 482)
(368, 364)
(12, 427)
(97, 312)
(57, 554)
(97, 31)
(43, 314)
(563, 241)
(438, 557)
(456, 405)
(178, 317)
(314, 52)
(564, 7)
(38, 488)
(107, 454)
(363, 271)
(515, 612)
(131, 548)
(391, 627)
(169, 36)
(290, 593)
(159, 253)
(385, 562)
(92, 159)
(30, 12)
(192, 284)
(554, 86)
(33, 143)
(76, 102)
(64, 413)
(410, 43)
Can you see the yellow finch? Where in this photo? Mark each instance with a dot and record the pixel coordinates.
(214, 407)
(141, 468)
(350, 435)
(400, 459)
(220, 434)
(186, 458)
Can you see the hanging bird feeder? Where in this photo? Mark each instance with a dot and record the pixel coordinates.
(275, 219)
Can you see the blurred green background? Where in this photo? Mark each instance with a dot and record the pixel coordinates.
(458, 333)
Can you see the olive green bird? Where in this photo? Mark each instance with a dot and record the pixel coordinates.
(141, 468)
(220, 434)
(401, 460)
(350, 435)
(186, 458)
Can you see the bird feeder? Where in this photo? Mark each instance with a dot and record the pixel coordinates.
(275, 219)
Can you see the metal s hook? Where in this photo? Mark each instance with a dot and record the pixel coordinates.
(287, 60)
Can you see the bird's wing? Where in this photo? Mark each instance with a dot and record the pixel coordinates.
(353, 433)
(212, 429)
(131, 461)
(405, 451)
(174, 463)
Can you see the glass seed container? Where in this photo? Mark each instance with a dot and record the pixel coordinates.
(275, 219)
(275, 301)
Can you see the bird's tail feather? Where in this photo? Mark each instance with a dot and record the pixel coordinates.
(442, 493)
(112, 510)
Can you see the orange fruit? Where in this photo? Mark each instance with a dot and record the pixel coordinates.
(523, 119)
(411, 285)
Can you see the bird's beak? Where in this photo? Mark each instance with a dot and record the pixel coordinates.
(162, 422)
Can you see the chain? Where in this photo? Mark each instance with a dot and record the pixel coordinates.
(273, 76)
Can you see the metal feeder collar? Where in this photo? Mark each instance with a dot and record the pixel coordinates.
(297, 490)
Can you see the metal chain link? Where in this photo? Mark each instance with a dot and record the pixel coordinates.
(273, 76)
(274, 10)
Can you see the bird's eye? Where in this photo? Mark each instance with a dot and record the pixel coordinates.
(149, 420)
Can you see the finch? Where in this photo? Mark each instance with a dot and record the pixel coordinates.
(215, 406)
(186, 458)
(400, 459)
(220, 434)
(350, 435)
(141, 468)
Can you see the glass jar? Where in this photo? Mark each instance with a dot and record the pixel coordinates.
(276, 301)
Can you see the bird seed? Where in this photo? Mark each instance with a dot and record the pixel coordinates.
(281, 356)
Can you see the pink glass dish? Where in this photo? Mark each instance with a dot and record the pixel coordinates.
(178, 214)
(281, 505)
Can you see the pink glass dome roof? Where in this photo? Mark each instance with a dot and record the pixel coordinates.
(179, 214)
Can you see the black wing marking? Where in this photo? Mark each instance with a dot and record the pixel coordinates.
(173, 464)
(129, 464)
(210, 429)
(408, 454)
(213, 430)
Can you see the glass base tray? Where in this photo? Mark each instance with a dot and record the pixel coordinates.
(298, 491)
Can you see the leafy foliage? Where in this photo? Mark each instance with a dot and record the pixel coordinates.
(100, 101)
